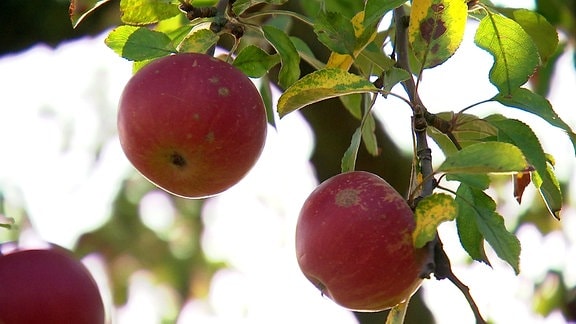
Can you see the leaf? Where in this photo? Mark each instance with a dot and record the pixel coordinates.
(431, 212)
(534, 103)
(320, 85)
(290, 69)
(144, 12)
(80, 9)
(521, 181)
(198, 41)
(491, 225)
(267, 98)
(240, 6)
(436, 29)
(374, 10)
(515, 55)
(254, 62)
(336, 32)
(470, 237)
(549, 191)
(543, 34)
(487, 157)
(306, 53)
(480, 181)
(467, 129)
(139, 43)
(348, 162)
(521, 135)
(369, 136)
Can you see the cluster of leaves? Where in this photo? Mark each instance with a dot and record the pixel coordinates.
(519, 40)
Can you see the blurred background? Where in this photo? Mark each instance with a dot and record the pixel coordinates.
(230, 259)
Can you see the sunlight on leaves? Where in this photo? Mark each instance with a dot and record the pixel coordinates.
(139, 43)
(436, 29)
(487, 157)
(144, 12)
(320, 85)
(515, 55)
(198, 41)
(543, 34)
(431, 212)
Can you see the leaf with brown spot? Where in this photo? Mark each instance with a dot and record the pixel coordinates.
(436, 29)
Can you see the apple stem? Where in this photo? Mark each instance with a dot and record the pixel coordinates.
(439, 261)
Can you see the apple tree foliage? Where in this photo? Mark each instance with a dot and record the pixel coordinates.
(368, 57)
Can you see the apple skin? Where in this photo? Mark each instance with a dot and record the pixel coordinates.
(192, 124)
(47, 286)
(354, 242)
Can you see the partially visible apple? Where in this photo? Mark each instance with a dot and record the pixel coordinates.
(47, 286)
(354, 242)
(192, 124)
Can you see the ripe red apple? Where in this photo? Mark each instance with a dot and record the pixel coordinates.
(192, 124)
(354, 242)
(47, 286)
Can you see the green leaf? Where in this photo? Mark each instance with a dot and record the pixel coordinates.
(487, 157)
(543, 34)
(290, 70)
(336, 32)
(80, 9)
(521, 135)
(144, 12)
(306, 53)
(470, 237)
(369, 135)
(480, 181)
(267, 98)
(550, 190)
(240, 6)
(374, 10)
(320, 85)
(531, 102)
(254, 62)
(467, 129)
(139, 43)
(348, 162)
(491, 225)
(515, 55)
(436, 29)
(198, 41)
(431, 212)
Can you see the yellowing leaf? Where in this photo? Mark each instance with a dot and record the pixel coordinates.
(431, 212)
(344, 61)
(320, 85)
(436, 29)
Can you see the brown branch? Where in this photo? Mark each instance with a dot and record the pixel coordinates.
(421, 117)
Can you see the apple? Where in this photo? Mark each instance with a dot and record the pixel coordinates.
(47, 286)
(192, 124)
(354, 243)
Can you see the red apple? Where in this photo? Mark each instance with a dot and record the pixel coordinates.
(47, 286)
(354, 242)
(192, 124)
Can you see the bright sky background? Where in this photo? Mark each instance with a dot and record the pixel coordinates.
(58, 106)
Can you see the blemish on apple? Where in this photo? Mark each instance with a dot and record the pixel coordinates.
(347, 197)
